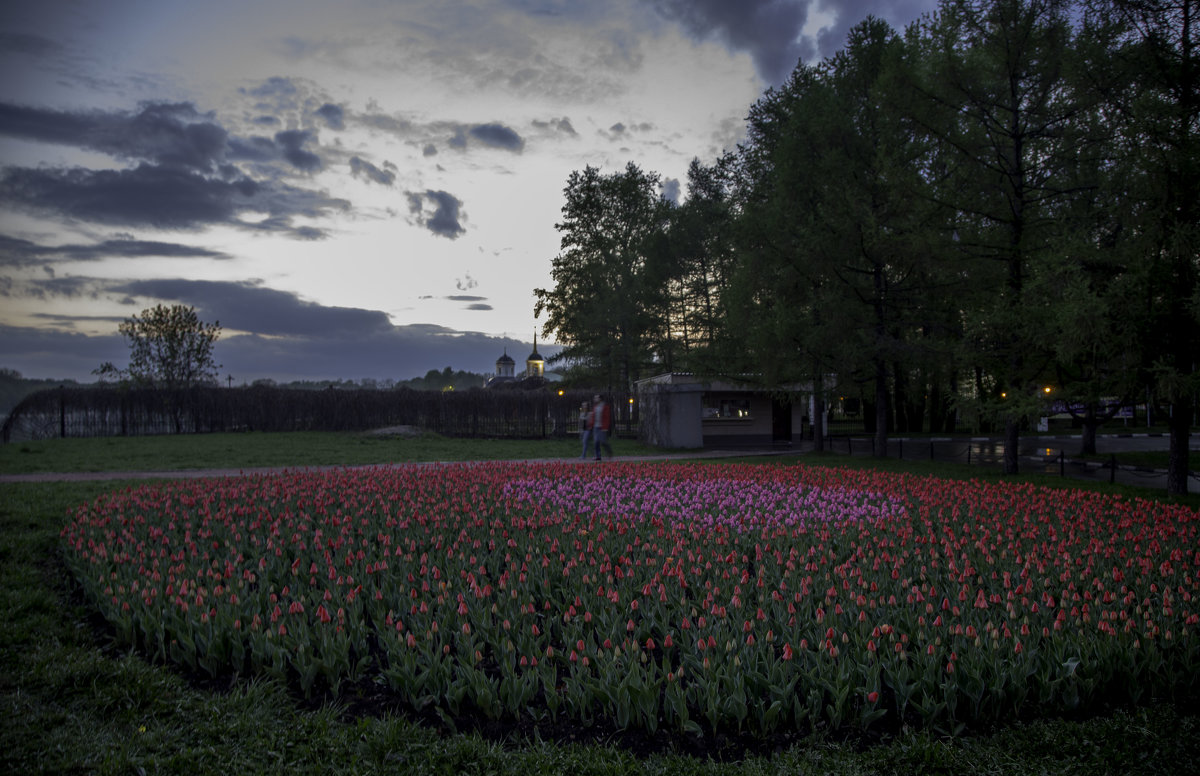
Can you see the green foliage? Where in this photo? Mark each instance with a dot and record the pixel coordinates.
(605, 301)
(169, 347)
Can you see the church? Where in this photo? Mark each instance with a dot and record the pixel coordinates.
(534, 375)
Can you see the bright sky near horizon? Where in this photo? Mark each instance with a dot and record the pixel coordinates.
(354, 189)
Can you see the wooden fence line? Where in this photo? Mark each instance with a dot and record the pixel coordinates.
(112, 411)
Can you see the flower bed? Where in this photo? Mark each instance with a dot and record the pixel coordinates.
(692, 598)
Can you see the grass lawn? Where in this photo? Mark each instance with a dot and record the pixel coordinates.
(75, 702)
(301, 448)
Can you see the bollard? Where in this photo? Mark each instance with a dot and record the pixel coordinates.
(1062, 463)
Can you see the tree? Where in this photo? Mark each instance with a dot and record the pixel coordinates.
(604, 305)
(1158, 115)
(999, 101)
(169, 348)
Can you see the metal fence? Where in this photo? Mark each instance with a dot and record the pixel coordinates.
(1036, 455)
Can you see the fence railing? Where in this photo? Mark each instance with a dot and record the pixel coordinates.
(986, 451)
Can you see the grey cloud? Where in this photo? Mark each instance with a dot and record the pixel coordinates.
(444, 220)
(274, 87)
(166, 133)
(58, 354)
(670, 190)
(359, 166)
(157, 197)
(254, 308)
(302, 346)
(493, 135)
(143, 196)
(768, 29)
(562, 125)
(429, 150)
(333, 114)
(292, 141)
(465, 298)
(898, 13)
(22, 43)
(497, 136)
(15, 252)
(385, 123)
(479, 306)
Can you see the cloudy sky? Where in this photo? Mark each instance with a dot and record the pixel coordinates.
(353, 189)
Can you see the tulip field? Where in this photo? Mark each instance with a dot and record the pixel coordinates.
(692, 598)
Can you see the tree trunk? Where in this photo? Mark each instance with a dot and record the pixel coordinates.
(818, 419)
(1179, 455)
(1090, 424)
(1012, 442)
(881, 431)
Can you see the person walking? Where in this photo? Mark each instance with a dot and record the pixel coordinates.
(602, 424)
(586, 417)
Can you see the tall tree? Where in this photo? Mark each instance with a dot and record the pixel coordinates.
(1159, 116)
(997, 100)
(604, 301)
(699, 260)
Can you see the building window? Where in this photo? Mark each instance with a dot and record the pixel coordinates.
(716, 408)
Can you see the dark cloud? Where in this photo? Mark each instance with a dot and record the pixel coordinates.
(292, 142)
(275, 87)
(491, 135)
(333, 114)
(158, 197)
(444, 219)
(33, 45)
(144, 196)
(15, 252)
(562, 125)
(429, 150)
(170, 134)
(497, 136)
(466, 298)
(898, 13)
(58, 354)
(361, 167)
(266, 334)
(768, 29)
(479, 306)
(250, 307)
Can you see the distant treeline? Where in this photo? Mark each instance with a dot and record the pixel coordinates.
(434, 380)
(14, 387)
(112, 411)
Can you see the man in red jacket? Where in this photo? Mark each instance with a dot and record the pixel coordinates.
(602, 425)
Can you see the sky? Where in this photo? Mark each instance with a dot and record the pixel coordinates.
(352, 189)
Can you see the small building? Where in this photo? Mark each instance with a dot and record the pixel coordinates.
(534, 375)
(681, 410)
(535, 365)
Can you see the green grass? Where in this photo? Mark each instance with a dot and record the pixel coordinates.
(303, 448)
(74, 702)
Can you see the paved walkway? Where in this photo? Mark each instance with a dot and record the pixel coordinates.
(1041, 454)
